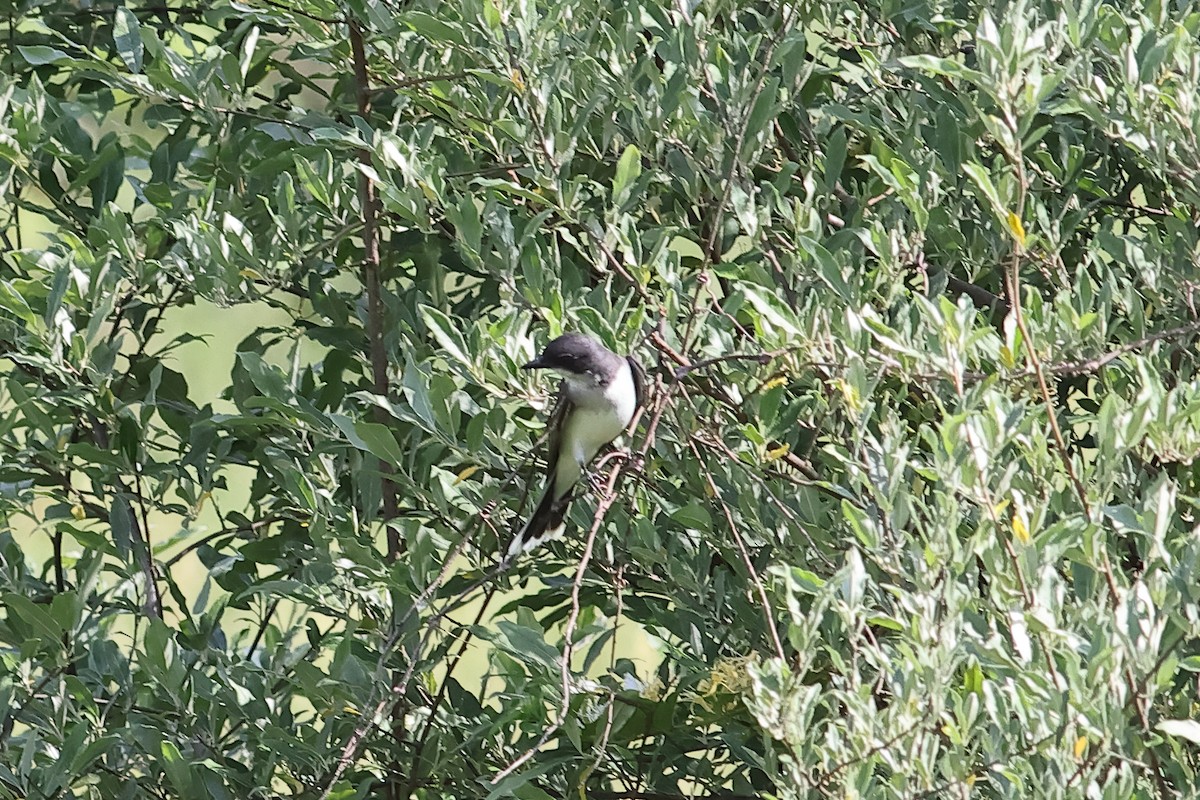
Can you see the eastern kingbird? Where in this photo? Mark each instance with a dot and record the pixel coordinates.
(597, 398)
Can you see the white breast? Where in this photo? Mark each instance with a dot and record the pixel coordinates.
(599, 415)
(622, 393)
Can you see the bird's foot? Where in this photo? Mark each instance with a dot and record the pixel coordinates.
(593, 480)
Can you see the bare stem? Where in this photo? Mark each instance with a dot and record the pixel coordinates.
(369, 200)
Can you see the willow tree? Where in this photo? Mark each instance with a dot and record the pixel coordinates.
(909, 511)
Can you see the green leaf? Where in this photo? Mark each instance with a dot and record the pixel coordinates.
(121, 522)
(318, 185)
(12, 301)
(519, 780)
(693, 516)
(37, 618)
(491, 15)
(268, 379)
(433, 28)
(110, 175)
(511, 189)
(835, 157)
(37, 55)
(176, 768)
(861, 524)
(934, 65)
(128, 38)
(1181, 728)
(371, 437)
(528, 643)
(766, 108)
(629, 167)
(983, 182)
(447, 335)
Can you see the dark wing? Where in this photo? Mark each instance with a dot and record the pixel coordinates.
(639, 380)
(546, 521)
(562, 406)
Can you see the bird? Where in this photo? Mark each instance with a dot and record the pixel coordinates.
(597, 398)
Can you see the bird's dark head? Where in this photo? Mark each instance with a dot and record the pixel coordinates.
(573, 354)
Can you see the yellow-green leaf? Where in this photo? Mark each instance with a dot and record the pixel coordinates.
(1020, 530)
(1016, 228)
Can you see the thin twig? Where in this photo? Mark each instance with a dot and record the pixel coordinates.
(655, 409)
(240, 529)
(1013, 277)
(760, 358)
(262, 628)
(607, 497)
(1035, 364)
(759, 588)
(418, 80)
(400, 685)
(305, 14)
(149, 329)
(740, 139)
(13, 713)
(1095, 363)
(879, 747)
(718, 211)
(601, 747)
(619, 268)
(423, 738)
(718, 394)
(153, 596)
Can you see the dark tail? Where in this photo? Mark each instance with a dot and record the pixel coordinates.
(546, 523)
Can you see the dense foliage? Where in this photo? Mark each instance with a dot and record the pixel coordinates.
(910, 511)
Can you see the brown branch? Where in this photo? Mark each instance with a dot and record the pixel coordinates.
(718, 210)
(60, 577)
(607, 497)
(601, 747)
(418, 80)
(1035, 364)
(615, 264)
(814, 551)
(369, 200)
(262, 628)
(1146, 210)
(1093, 364)
(1063, 368)
(140, 542)
(13, 712)
(400, 685)
(759, 358)
(142, 532)
(149, 329)
(942, 789)
(877, 748)
(305, 14)
(490, 169)
(721, 396)
(740, 139)
(604, 795)
(423, 738)
(1093, 757)
(240, 529)
(743, 551)
(1017, 160)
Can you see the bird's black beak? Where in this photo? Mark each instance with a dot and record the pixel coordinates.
(535, 364)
